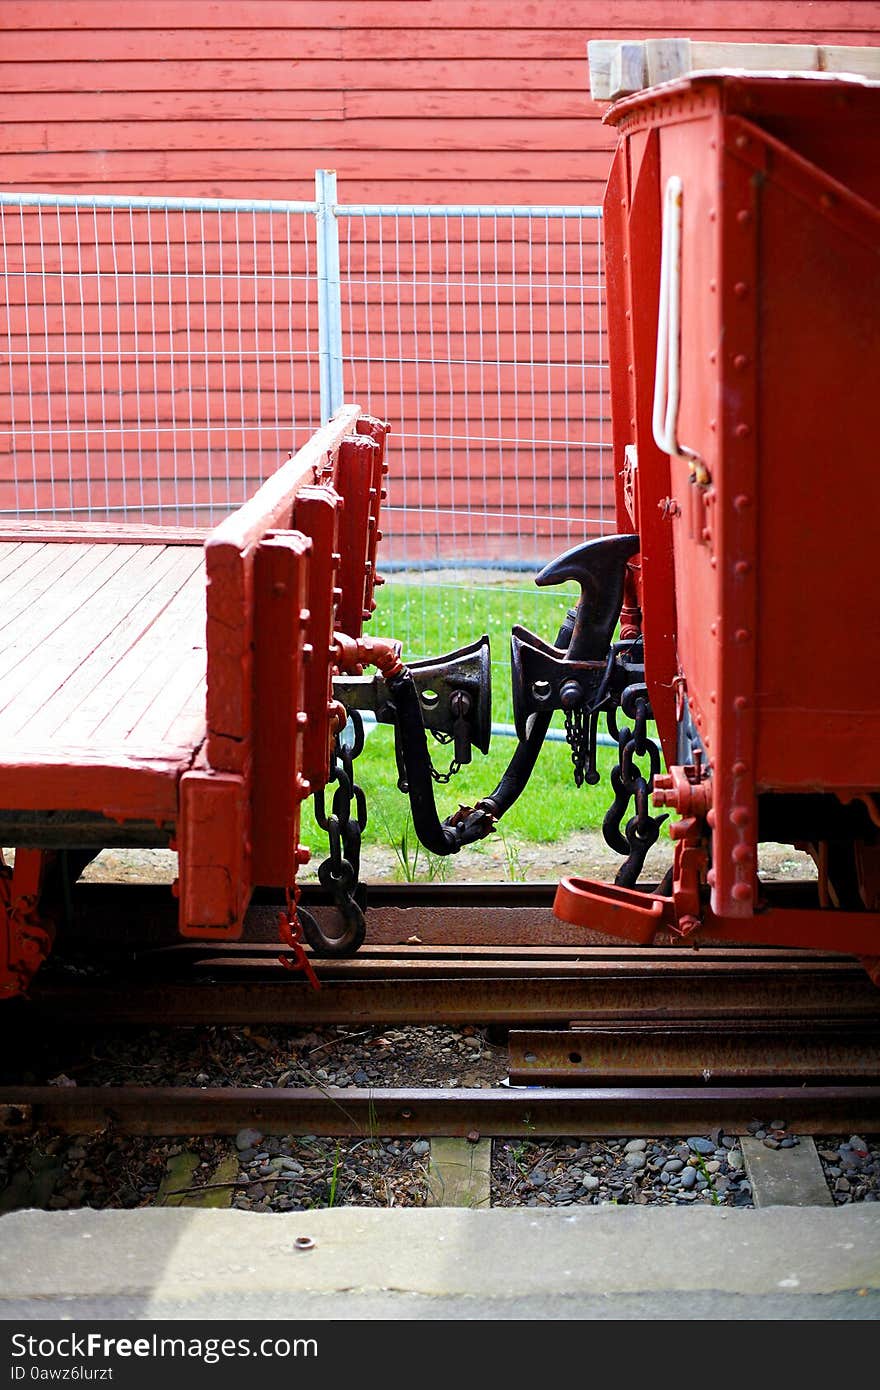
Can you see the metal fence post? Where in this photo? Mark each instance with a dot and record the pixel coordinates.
(329, 294)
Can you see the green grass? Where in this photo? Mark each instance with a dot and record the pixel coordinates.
(431, 620)
(549, 808)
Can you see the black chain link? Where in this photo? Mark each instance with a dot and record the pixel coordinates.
(632, 785)
(580, 733)
(340, 871)
(454, 766)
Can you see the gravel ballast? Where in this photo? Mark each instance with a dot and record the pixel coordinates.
(282, 1173)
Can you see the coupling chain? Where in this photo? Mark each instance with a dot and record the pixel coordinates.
(580, 733)
(344, 827)
(454, 766)
(632, 784)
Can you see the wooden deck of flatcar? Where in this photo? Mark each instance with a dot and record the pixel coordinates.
(102, 668)
(154, 691)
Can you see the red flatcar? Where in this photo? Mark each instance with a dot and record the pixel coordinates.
(168, 687)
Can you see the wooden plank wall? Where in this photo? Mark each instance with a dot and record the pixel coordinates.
(428, 101)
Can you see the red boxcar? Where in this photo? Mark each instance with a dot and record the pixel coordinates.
(743, 231)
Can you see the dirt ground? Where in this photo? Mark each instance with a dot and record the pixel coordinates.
(494, 861)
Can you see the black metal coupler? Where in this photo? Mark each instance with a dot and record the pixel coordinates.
(547, 679)
(440, 837)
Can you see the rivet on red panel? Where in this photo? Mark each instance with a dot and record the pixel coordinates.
(740, 816)
(739, 702)
(742, 566)
(742, 634)
(742, 430)
(742, 892)
(741, 501)
(740, 361)
(741, 289)
(744, 215)
(739, 769)
(742, 854)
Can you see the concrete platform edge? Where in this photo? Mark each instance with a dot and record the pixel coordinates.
(179, 1258)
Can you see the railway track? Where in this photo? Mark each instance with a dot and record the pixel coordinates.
(602, 1039)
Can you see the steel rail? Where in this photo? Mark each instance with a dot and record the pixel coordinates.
(496, 1112)
(489, 914)
(687, 1056)
(525, 996)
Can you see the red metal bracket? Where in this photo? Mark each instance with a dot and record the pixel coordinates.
(26, 937)
(291, 933)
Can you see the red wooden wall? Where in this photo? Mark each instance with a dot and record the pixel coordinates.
(410, 100)
(426, 101)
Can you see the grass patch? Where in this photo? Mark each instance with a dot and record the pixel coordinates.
(549, 808)
(432, 619)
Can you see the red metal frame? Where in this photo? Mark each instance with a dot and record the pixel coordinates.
(753, 574)
(284, 574)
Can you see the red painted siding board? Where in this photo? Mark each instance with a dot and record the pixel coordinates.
(459, 101)
(402, 134)
(683, 16)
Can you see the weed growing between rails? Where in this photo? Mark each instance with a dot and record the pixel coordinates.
(415, 862)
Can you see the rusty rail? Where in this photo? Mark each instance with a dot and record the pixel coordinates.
(530, 992)
(498, 1112)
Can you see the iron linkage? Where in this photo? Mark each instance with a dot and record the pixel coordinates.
(344, 826)
(632, 785)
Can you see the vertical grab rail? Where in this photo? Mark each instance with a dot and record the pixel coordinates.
(667, 375)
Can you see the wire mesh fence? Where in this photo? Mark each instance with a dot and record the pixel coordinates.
(163, 357)
(479, 332)
(160, 355)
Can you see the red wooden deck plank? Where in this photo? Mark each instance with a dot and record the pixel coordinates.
(138, 784)
(96, 632)
(89, 653)
(154, 664)
(95, 532)
(28, 616)
(12, 555)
